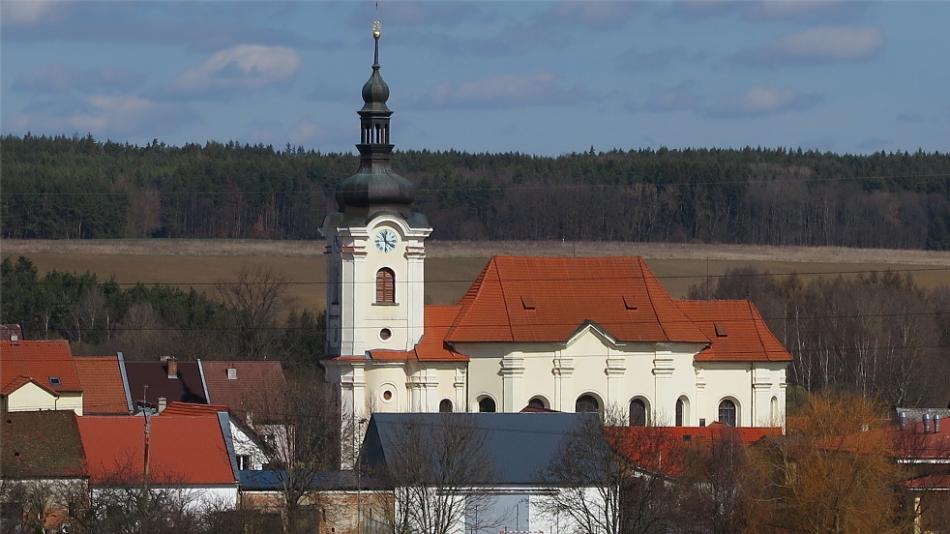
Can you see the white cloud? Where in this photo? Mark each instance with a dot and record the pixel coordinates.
(757, 101)
(104, 116)
(540, 88)
(240, 67)
(829, 44)
(24, 12)
(305, 132)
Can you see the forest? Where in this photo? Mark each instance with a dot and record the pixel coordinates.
(79, 188)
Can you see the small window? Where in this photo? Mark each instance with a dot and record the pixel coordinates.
(232, 373)
(445, 406)
(385, 334)
(638, 413)
(721, 330)
(682, 411)
(527, 303)
(728, 414)
(486, 404)
(55, 381)
(629, 303)
(586, 404)
(243, 461)
(385, 286)
(387, 395)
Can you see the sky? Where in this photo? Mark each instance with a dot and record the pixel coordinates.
(532, 76)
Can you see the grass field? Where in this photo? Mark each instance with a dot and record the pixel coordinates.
(450, 266)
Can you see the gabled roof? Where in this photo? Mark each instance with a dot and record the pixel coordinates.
(273, 480)
(43, 444)
(546, 299)
(257, 382)
(432, 346)
(103, 390)
(736, 330)
(183, 450)
(520, 447)
(39, 360)
(20, 381)
(188, 387)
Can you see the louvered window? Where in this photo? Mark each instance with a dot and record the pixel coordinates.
(385, 286)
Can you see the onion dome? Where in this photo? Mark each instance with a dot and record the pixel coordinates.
(375, 183)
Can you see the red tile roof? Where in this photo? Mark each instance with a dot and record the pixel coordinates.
(191, 409)
(663, 449)
(432, 346)
(39, 360)
(183, 450)
(736, 329)
(257, 384)
(103, 390)
(544, 299)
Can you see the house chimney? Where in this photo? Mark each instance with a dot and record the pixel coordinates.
(902, 420)
(162, 404)
(926, 420)
(14, 338)
(936, 423)
(172, 365)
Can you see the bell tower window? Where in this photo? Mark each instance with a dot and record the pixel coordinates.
(385, 286)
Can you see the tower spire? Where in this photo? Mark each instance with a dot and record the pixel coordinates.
(375, 183)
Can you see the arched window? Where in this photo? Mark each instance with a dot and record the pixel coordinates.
(486, 404)
(586, 403)
(638, 413)
(385, 286)
(537, 403)
(445, 406)
(728, 414)
(682, 411)
(773, 412)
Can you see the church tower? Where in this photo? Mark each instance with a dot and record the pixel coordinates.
(375, 242)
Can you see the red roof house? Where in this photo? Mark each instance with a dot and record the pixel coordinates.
(39, 375)
(183, 450)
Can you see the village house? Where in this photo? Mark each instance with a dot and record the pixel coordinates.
(42, 469)
(191, 456)
(39, 375)
(569, 334)
(250, 450)
(514, 483)
(105, 391)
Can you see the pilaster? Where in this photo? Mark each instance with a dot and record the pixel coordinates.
(512, 378)
(563, 383)
(615, 369)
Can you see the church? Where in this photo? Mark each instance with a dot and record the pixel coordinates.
(568, 334)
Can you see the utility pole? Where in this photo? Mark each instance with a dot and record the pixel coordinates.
(147, 429)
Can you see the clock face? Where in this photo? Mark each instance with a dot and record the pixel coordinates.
(386, 240)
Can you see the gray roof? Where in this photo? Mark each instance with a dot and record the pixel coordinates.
(273, 480)
(520, 446)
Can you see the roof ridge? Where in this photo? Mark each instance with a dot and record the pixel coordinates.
(646, 286)
(504, 301)
(471, 295)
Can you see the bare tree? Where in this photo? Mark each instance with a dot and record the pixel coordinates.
(435, 470)
(304, 432)
(255, 300)
(616, 480)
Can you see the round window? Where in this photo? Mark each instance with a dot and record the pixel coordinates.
(387, 395)
(385, 334)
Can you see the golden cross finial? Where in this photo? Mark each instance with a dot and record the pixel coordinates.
(377, 29)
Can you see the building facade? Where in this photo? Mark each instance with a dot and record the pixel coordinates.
(565, 334)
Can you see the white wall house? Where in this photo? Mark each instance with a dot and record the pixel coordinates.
(564, 334)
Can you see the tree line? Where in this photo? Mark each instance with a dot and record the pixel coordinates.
(243, 319)
(77, 188)
(879, 335)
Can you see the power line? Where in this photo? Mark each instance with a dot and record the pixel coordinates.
(546, 279)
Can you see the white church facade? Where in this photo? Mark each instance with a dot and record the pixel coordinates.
(536, 333)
